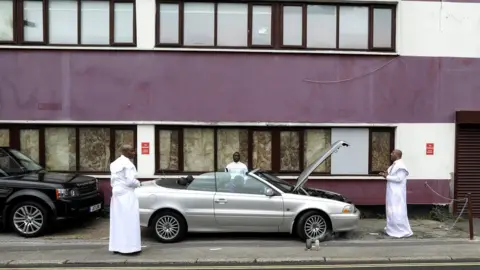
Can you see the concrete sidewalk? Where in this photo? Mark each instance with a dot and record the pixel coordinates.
(241, 252)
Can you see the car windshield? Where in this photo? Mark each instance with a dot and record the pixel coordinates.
(277, 182)
(27, 163)
(8, 165)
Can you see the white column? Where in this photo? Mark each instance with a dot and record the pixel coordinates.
(146, 162)
(145, 24)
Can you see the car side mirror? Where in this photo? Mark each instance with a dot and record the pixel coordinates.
(269, 192)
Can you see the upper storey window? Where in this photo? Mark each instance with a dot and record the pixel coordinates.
(276, 25)
(68, 22)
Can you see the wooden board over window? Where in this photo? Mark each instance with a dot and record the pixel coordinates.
(4, 137)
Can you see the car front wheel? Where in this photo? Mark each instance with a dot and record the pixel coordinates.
(313, 225)
(29, 219)
(169, 227)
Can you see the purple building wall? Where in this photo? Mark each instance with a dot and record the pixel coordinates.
(174, 86)
(240, 87)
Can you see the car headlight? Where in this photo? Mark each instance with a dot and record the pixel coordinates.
(348, 209)
(62, 193)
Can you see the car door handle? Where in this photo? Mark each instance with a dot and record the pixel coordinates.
(221, 201)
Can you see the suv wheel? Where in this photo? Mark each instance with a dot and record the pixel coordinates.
(169, 227)
(313, 225)
(29, 219)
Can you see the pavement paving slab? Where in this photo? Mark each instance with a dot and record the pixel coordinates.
(137, 261)
(226, 261)
(291, 260)
(418, 258)
(363, 259)
(37, 262)
(103, 261)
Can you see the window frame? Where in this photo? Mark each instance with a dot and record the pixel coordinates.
(277, 25)
(14, 133)
(371, 26)
(19, 39)
(276, 141)
(14, 26)
(391, 131)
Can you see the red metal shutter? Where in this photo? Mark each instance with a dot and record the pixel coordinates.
(467, 166)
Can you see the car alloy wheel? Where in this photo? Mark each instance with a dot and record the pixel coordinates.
(315, 227)
(28, 219)
(167, 227)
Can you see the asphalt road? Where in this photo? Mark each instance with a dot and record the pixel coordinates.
(387, 266)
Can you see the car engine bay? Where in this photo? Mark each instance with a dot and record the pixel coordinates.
(326, 194)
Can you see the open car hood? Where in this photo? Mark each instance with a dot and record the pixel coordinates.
(303, 177)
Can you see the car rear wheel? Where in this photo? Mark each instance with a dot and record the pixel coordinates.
(169, 227)
(313, 225)
(29, 219)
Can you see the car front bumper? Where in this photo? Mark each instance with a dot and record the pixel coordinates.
(82, 206)
(345, 222)
(145, 215)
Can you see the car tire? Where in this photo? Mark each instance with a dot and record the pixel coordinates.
(314, 219)
(169, 227)
(29, 219)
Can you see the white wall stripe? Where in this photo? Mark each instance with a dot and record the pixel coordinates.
(424, 28)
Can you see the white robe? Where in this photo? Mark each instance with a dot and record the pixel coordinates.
(237, 168)
(124, 210)
(398, 225)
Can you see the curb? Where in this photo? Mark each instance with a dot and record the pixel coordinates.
(60, 242)
(72, 244)
(232, 261)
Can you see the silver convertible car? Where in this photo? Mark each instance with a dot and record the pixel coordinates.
(255, 202)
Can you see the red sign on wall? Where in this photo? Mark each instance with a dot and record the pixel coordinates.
(430, 149)
(145, 148)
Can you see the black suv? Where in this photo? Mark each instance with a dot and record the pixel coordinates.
(31, 199)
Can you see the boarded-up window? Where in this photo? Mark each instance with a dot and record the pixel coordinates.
(123, 137)
(4, 137)
(230, 141)
(60, 149)
(317, 141)
(262, 150)
(380, 150)
(30, 143)
(94, 149)
(198, 151)
(289, 151)
(168, 149)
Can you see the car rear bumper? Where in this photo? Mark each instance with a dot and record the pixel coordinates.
(83, 206)
(345, 222)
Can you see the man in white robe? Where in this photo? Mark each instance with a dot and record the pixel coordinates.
(124, 209)
(236, 167)
(398, 225)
